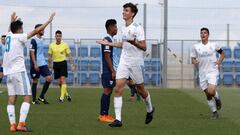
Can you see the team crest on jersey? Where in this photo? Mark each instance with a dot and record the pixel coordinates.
(111, 82)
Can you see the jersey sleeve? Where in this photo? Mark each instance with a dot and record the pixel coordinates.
(23, 38)
(193, 52)
(107, 48)
(217, 47)
(33, 45)
(67, 49)
(50, 51)
(140, 35)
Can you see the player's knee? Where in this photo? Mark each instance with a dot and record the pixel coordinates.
(49, 79)
(27, 99)
(107, 91)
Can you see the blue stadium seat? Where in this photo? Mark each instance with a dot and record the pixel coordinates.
(236, 52)
(94, 78)
(156, 78)
(227, 52)
(237, 79)
(227, 65)
(82, 78)
(83, 51)
(227, 79)
(95, 52)
(146, 78)
(95, 65)
(156, 65)
(147, 65)
(82, 65)
(70, 78)
(237, 65)
(73, 51)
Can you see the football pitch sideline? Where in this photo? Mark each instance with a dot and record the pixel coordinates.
(178, 112)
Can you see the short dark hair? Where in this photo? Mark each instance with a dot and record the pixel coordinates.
(37, 25)
(58, 32)
(16, 25)
(132, 6)
(204, 28)
(3, 36)
(110, 22)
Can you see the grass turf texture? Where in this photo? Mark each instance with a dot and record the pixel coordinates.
(178, 112)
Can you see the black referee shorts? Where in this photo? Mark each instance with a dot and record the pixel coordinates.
(60, 69)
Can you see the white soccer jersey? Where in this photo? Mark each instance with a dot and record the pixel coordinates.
(13, 60)
(206, 56)
(132, 55)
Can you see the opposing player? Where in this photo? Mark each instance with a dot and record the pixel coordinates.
(204, 56)
(58, 51)
(15, 70)
(108, 72)
(131, 63)
(39, 66)
(3, 47)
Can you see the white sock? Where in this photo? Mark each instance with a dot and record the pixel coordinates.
(212, 105)
(216, 95)
(11, 114)
(118, 107)
(24, 111)
(148, 103)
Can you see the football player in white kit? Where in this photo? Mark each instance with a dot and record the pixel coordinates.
(131, 63)
(204, 56)
(15, 70)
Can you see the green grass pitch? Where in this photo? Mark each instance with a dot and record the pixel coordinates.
(178, 112)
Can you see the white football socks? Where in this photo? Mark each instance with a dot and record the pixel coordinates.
(118, 107)
(11, 114)
(148, 103)
(212, 105)
(216, 95)
(24, 111)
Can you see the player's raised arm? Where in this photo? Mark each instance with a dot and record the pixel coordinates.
(42, 27)
(105, 42)
(13, 18)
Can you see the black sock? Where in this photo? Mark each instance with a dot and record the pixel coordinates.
(44, 90)
(108, 103)
(104, 105)
(133, 90)
(0, 80)
(34, 91)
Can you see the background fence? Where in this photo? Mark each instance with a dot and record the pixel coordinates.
(181, 73)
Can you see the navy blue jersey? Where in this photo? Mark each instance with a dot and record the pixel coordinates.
(106, 49)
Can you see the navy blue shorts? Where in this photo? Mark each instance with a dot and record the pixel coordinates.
(107, 81)
(43, 71)
(1, 69)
